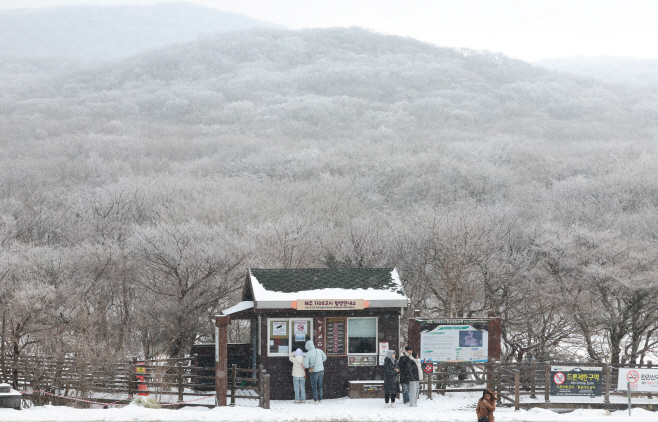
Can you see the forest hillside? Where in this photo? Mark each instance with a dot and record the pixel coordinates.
(492, 185)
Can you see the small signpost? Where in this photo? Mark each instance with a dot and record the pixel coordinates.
(428, 367)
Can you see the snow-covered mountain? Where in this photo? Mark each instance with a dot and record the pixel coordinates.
(111, 31)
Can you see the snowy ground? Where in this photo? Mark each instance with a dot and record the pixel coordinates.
(452, 407)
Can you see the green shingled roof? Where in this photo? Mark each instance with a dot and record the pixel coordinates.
(295, 280)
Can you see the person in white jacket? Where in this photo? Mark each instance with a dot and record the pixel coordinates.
(414, 385)
(298, 375)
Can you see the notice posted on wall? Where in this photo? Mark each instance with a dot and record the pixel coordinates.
(444, 342)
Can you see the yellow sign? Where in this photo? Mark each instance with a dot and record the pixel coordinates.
(336, 304)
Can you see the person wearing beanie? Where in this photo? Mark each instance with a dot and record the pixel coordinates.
(390, 378)
(298, 375)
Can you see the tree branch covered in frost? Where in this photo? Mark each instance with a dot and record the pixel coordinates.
(134, 195)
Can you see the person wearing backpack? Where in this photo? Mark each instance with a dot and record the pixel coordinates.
(314, 361)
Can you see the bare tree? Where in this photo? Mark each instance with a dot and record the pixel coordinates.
(185, 274)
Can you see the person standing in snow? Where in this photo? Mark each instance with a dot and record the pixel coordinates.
(298, 375)
(414, 384)
(405, 373)
(314, 361)
(486, 406)
(391, 373)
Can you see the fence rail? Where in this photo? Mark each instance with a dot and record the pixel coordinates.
(171, 381)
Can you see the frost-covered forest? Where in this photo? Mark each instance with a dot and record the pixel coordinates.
(135, 194)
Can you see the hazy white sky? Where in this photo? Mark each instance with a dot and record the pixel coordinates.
(524, 29)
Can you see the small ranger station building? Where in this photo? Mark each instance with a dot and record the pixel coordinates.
(352, 314)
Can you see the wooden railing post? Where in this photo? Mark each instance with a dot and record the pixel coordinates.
(499, 382)
(430, 382)
(233, 383)
(517, 390)
(533, 378)
(607, 384)
(180, 381)
(494, 375)
(132, 378)
(547, 390)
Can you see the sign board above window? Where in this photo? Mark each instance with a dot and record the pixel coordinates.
(333, 304)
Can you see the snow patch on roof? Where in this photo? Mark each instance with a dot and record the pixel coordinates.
(394, 293)
(239, 307)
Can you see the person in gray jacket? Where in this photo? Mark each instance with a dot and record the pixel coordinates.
(314, 361)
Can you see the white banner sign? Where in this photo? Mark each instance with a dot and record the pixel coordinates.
(640, 379)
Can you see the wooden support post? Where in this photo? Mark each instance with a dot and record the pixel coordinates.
(430, 381)
(547, 390)
(607, 384)
(413, 333)
(517, 390)
(234, 384)
(533, 378)
(180, 381)
(221, 365)
(261, 387)
(495, 332)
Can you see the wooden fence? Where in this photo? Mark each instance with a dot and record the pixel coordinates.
(174, 382)
(171, 381)
(512, 380)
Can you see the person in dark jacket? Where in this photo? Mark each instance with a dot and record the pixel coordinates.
(390, 378)
(414, 383)
(406, 374)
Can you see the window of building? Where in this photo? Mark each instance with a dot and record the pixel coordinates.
(362, 336)
(287, 334)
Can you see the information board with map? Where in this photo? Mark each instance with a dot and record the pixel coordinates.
(453, 341)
